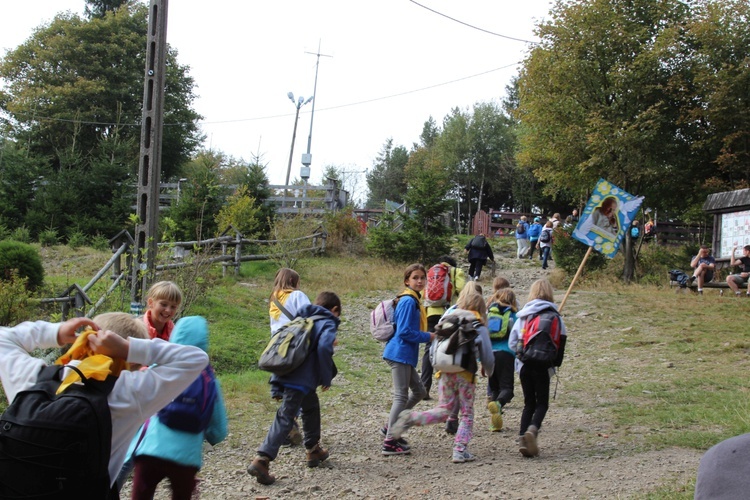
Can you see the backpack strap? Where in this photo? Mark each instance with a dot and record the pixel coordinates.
(283, 309)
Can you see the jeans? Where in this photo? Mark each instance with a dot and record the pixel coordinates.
(535, 385)
(532, 247)
(405, 377)
(545, 256)
(475, 267)
(293, 400)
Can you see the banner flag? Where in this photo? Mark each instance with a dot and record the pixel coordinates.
(608, 214)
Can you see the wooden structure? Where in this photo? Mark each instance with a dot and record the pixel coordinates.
(493, 221)
(731, 221)
(309, 199)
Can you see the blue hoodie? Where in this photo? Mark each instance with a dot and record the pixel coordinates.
(318, 367)
(184, 448)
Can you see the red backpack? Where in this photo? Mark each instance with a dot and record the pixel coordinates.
(541, 339)
(439, 289)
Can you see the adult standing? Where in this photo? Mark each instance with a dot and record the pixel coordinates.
(522, 238)
(479, 251)
(534, 231)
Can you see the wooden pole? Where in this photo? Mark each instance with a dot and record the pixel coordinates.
(575, 278)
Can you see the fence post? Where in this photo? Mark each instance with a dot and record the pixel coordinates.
(237, 252)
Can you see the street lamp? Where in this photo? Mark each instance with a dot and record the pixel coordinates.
(298, 104)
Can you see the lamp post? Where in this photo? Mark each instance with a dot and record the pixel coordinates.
(298, 104)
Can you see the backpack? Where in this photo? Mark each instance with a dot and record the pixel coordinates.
(57, 445)
(454, 349)
(498, 321)
(680, 277)
(634, 232)
(479, 242)
(521, 228)
(541, 339)
(289, 346)
(439, 289)
(382, 326)
(545, 236)
(191, 411)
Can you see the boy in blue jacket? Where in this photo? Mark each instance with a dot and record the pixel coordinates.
(300, 391)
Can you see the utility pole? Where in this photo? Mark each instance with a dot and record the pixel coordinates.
(307, 157)
(149, 164)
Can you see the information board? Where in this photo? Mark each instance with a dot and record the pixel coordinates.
(735, 231)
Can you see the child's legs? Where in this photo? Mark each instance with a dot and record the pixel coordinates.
(493, 381)
(404, 377)
(311, 419)
(504, 364)
(529, 397)
(447, 399)
(465, 431)
(545, 255)
(148, 473)
(282, 424)
(541, 388)
(182, 480)
(427, 371)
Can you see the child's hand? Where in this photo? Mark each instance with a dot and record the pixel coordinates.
(66, 333)
(110, 344)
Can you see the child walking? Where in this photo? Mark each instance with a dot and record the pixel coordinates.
(160, 451)
(457, 388)
(286, 298)
(535, 380)
(164, 299)
(502, 315)
(299, 391)
(402, 352)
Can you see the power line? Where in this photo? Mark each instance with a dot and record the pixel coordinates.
(271, 117)
(472, 26)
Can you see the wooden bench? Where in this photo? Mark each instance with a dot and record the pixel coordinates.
(720, 285)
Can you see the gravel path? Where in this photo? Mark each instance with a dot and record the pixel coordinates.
(578, 458)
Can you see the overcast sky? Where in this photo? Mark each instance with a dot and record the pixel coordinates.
(388, 66)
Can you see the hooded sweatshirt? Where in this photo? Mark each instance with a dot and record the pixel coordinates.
(531, 308)
(184, 448)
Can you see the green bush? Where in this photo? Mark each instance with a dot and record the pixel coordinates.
(14, 300)
(49, 237)
(77, 239)
(410, 243)
(21, 234)
(343, 232)
(25, 259)
(99, 242)
(569, 252)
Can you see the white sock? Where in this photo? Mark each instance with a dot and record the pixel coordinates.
(700, 289)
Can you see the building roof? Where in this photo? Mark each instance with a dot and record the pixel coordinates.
(723, 202)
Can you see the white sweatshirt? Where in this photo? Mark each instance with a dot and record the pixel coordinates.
(136, 395)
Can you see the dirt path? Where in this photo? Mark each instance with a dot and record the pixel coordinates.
(578, 458)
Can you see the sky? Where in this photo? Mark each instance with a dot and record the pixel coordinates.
(385, 68)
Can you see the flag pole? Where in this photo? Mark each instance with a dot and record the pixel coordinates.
(578, 273)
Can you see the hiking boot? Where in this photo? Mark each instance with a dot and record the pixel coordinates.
(451, 426)
(531, 445)
(259, 470)
(316, 455)
(403, 423)
(522, 446)
(460, 457)
(496, 416)
(392, 447)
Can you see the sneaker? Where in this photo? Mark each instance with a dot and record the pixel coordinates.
(690, 280)
(460, 457)
(403, 442)
(259, 470)
(451, 426)
(316, 455)
(496, 416)
(532, 447)
(403, 423)
(391, 447)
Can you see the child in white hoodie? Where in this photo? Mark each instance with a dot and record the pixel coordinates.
(535, 376)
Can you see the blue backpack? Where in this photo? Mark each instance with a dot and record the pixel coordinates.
(191, 411)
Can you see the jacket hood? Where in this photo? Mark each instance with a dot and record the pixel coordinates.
(533, 307)
(191, 330)
(312, 309)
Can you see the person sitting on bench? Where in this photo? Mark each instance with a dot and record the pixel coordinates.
(704, 265)
(736, 280)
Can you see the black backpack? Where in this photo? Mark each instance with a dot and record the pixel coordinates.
(57, 446)
(545, 236)
(479, 242)
(541, 340)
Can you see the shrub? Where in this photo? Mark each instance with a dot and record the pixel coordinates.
(99, 242)
(408, 243)
(569, 252)
(14, 300)
(77, 239)
(25, 259)
(343, 230)
(21, 234)
(288, 248)
(48, 237)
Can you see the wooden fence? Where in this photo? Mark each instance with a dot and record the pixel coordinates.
(225, 249)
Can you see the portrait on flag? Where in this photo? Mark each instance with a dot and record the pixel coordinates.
(607, 216)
